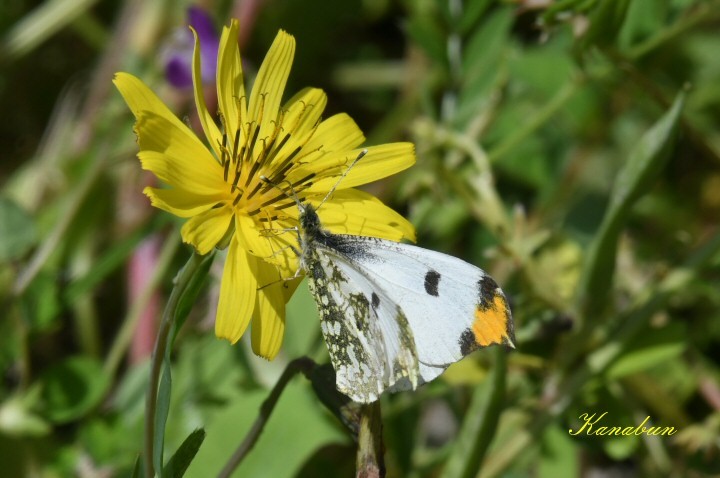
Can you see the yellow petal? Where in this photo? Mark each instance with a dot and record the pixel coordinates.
(299, 122)
(206, 229)
(158, 133)
(380, 161)
(271, 243)
(140, 98)
(230, 87)
(185, 172)
(180, 202)
(358, 213)
(206, 119)
(238, 291)
(302, 114)
(248, 234)
(337, 133)
(268, 323)
(267, 91)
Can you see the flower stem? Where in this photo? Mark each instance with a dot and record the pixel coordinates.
(370, 462)
(302, 364)
(182, 280)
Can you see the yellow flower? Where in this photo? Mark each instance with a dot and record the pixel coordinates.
(221, 191)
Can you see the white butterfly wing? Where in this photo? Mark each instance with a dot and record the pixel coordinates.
(452, 307)
(368, 336)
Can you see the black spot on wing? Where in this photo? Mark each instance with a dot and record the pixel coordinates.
(487, 287)
(432, 279)
(375, 300)
(467, 342)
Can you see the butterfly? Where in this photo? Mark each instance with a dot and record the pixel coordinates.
(394, 315)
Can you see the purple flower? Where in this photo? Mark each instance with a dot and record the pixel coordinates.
(177, 55)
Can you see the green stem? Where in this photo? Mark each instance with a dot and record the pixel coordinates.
(302, 364)
(182, 280)
(370, 462)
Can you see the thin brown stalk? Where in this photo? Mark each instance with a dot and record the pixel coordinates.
(303, 365)
(370, 461)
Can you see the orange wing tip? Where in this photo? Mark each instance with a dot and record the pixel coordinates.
(492, 325)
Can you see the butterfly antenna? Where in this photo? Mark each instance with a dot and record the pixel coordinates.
(332, 189)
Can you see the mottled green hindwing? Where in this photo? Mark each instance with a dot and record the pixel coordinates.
(359, 373)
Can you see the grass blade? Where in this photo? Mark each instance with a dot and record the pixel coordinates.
(637, 175)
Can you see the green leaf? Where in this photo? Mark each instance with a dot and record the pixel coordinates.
(480, 423)
(296, 429)
(559, 454)
(646, 160)
(644, 18)
(17, 231)
(636, 176)
(162, 410)
(179, 462)
(72, 388)
(471, 13)
(429, 37)
(486, 45)
(483, 59)
(606, 21)
(649, 349)
(621, 447)
(137, 468)
(40, 304)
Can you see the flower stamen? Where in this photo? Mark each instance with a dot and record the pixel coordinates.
(236, 144)
(278, 148)
(235, 181)
(255, 190)
(300, 181)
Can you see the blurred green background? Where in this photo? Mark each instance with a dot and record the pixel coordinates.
(570, 148)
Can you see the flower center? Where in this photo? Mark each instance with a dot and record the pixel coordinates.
(255, 169)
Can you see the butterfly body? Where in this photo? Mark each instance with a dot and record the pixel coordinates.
(395, 315)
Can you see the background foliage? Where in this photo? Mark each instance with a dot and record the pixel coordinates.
(570, 148)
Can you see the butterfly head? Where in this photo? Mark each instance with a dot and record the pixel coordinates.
(309, 220)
